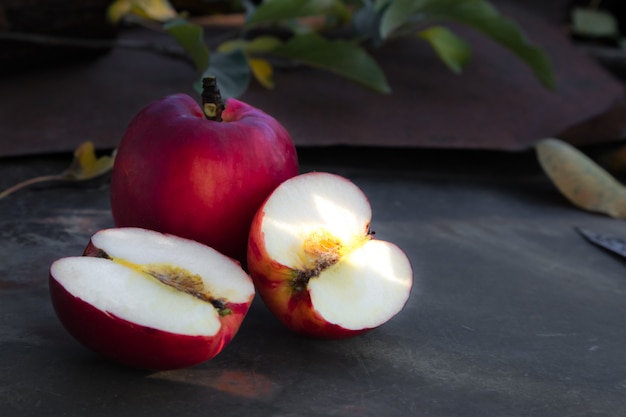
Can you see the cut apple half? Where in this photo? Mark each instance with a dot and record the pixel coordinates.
(316, 264)
(150, 300)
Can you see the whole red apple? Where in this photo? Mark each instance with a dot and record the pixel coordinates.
(178, 172)
(315, 263)
(150, 300)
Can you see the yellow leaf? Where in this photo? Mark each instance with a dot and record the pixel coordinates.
(118, 9)
(85, 164)
(159, 10)
(583, 182)
(262, 71)
(262, 44)
(232, 45)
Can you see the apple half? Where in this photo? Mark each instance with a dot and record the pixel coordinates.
(150, 300)
(316, 264)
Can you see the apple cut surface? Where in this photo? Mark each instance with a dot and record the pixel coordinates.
(128, 295)
(150, 300)
(316, 264)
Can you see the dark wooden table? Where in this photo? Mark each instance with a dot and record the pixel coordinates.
(512, 313)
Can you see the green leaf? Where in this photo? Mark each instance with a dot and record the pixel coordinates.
(231, 71)
(191, 37)
(258, 45)
(583, 182)
(366, 23)
(272, 11)
(483, 17)
(594, 23)
(452, 50)
(478, 14)
(397, 14)
(381, 4)
(338, 56)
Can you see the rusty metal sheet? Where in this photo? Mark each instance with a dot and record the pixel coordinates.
(495, 104)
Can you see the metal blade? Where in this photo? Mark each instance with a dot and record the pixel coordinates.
(608, 242)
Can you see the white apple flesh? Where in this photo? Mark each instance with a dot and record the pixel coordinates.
(315, 263)
(150, 300)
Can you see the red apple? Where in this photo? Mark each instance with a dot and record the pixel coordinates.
(150, 300)
(178, 172)
(315, 263)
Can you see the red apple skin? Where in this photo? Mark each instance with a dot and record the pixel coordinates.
(272, 281)
(135, 345)
(177, 172)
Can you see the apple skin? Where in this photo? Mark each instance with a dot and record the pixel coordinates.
(134, 345)
(177, 172)
(294, 310)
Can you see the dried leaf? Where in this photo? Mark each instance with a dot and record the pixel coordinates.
(583, 182)
(85, 166)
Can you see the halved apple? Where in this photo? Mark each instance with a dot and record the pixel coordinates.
(315, 263)
(150, 300)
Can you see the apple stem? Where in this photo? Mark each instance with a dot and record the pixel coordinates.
(212, 103)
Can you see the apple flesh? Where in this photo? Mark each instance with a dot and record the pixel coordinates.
(177, 172)
(150, 300)
(315, 263)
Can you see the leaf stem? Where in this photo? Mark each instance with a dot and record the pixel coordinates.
(36, 180)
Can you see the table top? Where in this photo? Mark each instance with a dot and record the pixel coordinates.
(512, 312)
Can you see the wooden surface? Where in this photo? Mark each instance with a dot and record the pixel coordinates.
(512, 313)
